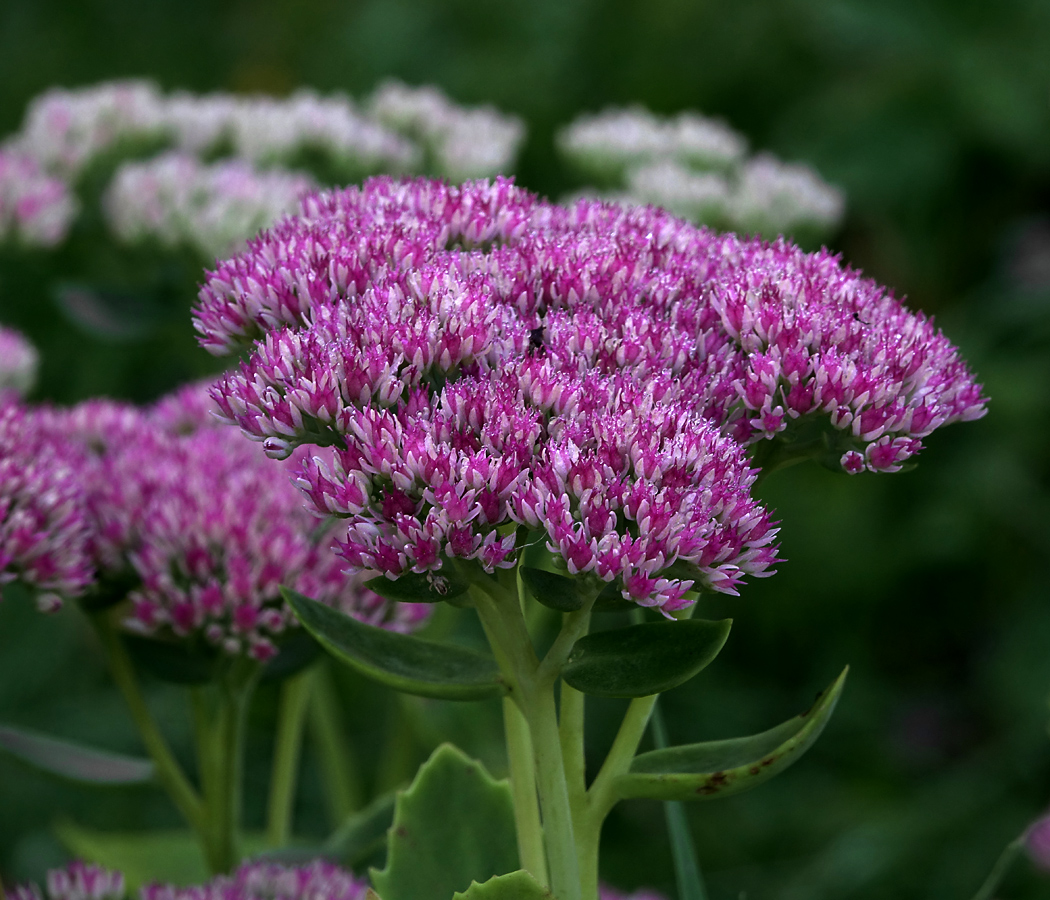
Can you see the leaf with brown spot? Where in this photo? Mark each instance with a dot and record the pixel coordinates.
(720, 768)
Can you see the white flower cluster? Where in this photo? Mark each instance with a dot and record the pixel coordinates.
(35, 209)
(698, 168)
(18, 363)
(399, 130)
(459, 142)
(213, 207)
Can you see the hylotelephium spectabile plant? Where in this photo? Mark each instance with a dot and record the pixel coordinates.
(512, 403)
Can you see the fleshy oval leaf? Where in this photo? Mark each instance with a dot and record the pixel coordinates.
(557, 592)
(644, 659)
(73, 761)
(716, 769)
(430, 587)
(406, 663)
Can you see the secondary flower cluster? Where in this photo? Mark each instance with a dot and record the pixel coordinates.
(460, 142)
(43, 530)
(18, 363)
(697, 167)
(318, 880)
(204, 526)
(177, 200)
(36, 209)
(399, 129)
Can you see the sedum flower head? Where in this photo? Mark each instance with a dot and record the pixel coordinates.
(18, 363)
(460, 142)
(206, 525)
(43, 529)
(176, 200)
(36, 208)
(318, 880)
(697, 167)
(373, 292)
(474, 395)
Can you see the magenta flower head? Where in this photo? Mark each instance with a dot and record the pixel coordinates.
(771, 343)
(476, 398)
(44, 536)
(318, 880)
(204, 526)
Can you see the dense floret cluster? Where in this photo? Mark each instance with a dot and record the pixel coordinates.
(177, 200)
(44, 537)
(36, 208)
(18, 363)
(318, 880)
(206, 528)
(697, 167)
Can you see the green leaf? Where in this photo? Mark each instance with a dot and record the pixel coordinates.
(719, 768)
(73, 761)
(429, 587)
(640, 660)
(518, 885)
(363, 833)
(295, 652)
(146, 856)
(558, 592)
(453, 826)
(403, 662)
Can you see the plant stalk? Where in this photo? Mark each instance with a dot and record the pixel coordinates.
(523, 787)
(342, 788)
(295, 698)
(169, 772)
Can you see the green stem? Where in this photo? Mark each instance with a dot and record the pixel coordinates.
(338, 763)
(999, 870)
(501, 617)
(601, 797)
(295, 698)
(523, 786)
(169, 772)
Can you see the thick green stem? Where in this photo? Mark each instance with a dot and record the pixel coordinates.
(500, 613)
(295, 698)
(342, 786)
(169, 772)
(235, 691)
(523, 786)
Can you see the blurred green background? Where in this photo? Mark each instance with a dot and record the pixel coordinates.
(934, 117)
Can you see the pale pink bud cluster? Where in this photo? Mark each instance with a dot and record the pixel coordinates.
(210, 528)
(18, 363)
(176, 200)
(36, 209)
(65, 130)
(44, 537)
(697, 167)
(318, 880)
(460, 142)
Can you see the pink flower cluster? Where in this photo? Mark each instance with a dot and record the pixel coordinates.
(482, 361)
(318, 880)
(208, 527)
(35, 208)
(18, 363)
(763, 338)
(44, 536)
